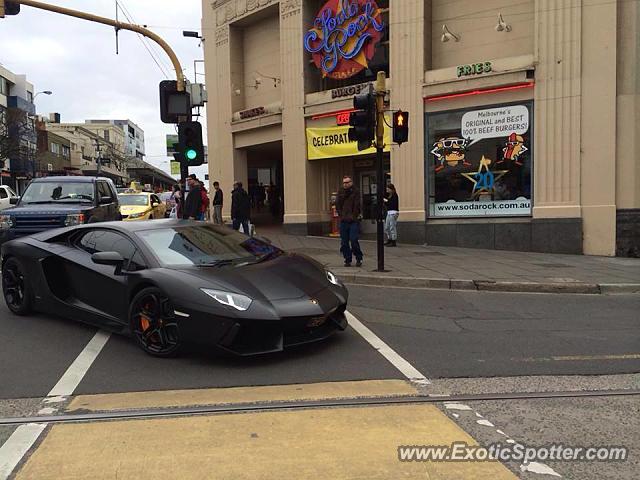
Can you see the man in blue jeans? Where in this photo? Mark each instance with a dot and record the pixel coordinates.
(349, 209)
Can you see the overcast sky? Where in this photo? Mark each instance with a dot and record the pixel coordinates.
(76, 60)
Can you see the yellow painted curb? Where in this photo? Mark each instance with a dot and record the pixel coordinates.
(325, 443)
(234, 395)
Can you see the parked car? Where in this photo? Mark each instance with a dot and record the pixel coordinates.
(6, 194)
(54, 202)
(140, 206)
(171, 283)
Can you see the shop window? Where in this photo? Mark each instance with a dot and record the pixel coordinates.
(341, 76)
(479, 161)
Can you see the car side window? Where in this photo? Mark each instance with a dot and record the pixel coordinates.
(3, 193)
(154, 198)
(96, 241)
(103, 190)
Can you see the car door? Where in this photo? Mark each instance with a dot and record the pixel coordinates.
(97, 286)
(108, 208)
(4, 198)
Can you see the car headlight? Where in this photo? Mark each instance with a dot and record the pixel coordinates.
(6, 222)
(74, 219)
(138, 215)
(332, 278)
(235, 300)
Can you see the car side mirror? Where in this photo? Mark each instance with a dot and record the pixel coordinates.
(104, 200)
(109, 258)
(14, 200)
(155, 204)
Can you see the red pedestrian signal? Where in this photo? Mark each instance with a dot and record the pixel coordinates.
(400, 127)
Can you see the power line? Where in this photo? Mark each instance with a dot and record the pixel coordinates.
(142, 40)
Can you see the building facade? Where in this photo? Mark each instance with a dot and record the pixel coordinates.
(133, 136)
(523, 115)
(17, 130)
(95, 148)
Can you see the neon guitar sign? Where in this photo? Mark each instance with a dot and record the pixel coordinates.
(344, 36)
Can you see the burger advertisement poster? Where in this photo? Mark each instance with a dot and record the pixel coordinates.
(479, 161)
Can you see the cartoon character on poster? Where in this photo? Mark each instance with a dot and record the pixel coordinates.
(450, 152)
(513, 149)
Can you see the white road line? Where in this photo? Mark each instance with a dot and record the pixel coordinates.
(387, 352)
(77, 370)
(17, 445)
(25, 436)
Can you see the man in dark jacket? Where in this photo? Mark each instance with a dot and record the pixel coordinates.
(240, 208)
(193, 203)
(349, 209)
(218, 200)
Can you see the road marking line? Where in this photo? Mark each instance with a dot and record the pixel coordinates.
(25, 436)
(17, 445)
(415, 376)
(580, 358)
(387, 352)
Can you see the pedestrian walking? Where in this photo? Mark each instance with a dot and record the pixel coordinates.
(193, 201)
(349, 209)
(204, 208)
(174, 200)
(392, 204)
(218, 198)
(240, 208)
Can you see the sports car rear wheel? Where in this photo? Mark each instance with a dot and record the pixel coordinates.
(16, 289)
(153, 323)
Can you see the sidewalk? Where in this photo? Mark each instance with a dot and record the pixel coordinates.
(472, 269)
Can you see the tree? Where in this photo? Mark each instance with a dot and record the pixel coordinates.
(17, 136)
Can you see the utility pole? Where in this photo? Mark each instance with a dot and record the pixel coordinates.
(381, 90)
(118, 26)
(98, 157)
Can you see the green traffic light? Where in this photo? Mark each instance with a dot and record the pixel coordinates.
(191, 154)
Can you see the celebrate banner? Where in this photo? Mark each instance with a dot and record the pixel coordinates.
(334, 142)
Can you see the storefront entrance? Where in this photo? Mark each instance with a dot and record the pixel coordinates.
(265, 184)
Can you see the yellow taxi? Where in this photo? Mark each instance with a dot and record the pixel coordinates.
(137, 205)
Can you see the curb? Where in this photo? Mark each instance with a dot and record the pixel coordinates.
(579, 288)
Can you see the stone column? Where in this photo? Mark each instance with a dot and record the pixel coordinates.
(407, 69)
(226, 164)
(294, 144)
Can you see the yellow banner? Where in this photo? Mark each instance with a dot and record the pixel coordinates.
(334, 142)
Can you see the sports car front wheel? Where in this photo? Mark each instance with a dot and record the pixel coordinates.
(16, 289)
(153, 323)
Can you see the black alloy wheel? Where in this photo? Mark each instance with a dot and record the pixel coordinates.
(154, 324)
(15, 288)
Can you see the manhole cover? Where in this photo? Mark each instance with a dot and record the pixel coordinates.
(553, 265)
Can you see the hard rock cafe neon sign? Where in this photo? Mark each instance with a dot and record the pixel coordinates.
(344, 36)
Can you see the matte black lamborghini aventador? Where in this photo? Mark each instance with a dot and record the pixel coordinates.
(171, 283)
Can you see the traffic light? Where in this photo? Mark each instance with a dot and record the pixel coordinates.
(190, 147)
(363, 121)
(8, 7)
(400, 127)
(173, 104)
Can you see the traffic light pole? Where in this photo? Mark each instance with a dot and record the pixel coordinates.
(380, 94)
(119, 26)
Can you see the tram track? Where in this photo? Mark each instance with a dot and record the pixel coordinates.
(83, 417)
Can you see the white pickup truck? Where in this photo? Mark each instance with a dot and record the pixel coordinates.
(5, 195)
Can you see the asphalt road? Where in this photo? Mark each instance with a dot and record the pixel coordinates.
(465, 342)
(443, 334)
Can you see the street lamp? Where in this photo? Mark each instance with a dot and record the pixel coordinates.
(46, 92)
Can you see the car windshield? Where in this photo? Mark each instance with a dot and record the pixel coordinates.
(205, 245)
(71, 192)
(134, 200)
